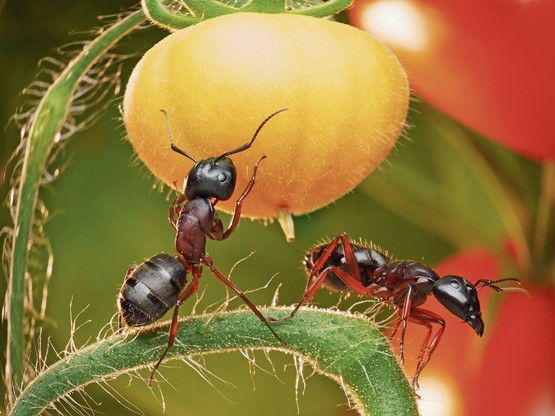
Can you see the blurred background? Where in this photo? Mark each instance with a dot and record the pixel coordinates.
(474, 199)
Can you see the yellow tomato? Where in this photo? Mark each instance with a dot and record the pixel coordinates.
(346, 94)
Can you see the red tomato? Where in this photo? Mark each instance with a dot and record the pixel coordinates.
(510, 371)
(487, 63)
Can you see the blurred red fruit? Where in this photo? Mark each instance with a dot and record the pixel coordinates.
(487, 63)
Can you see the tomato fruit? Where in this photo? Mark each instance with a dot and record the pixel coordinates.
(487, 63)
(346, 94)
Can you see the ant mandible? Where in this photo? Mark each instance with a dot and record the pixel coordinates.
(404, 284)
(156, 285)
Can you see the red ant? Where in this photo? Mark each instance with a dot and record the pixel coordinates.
(404, 284)
(155, 286)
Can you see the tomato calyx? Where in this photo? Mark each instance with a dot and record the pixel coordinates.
(191, 12)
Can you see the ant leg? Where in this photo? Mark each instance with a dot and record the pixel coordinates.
(359, 288)
(350, 258)
(351, 278)
(324, 257)
(312, 284)
(395, 330)
(171, 340)
(351, 282)
(406, 311)
(308, 294)
(426, 318)
(192, 288)
(239, 203)
(208, 261)
(175, 210)
(317, 276)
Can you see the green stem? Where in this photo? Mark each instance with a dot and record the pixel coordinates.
(47, 123)
(157, 12)
(199, 10)
(324, 9)
(349, 349)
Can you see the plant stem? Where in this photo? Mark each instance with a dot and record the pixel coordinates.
(347, 348)
(46, 125)
(157, 12)
(199, 10)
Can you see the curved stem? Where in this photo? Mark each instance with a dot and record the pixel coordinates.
(200, 10)
(46, 125)
(157, 12)
(349, 349)
(324, 9)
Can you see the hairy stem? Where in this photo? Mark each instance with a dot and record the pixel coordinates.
(157, 12)
(196, 10)
(47, 123)
(349, 349)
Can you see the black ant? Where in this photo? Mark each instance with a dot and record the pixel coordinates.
(404, 284)
(155, 286)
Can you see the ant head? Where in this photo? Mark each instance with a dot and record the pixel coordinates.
(214, 177)
(211, 178)
(460, 297)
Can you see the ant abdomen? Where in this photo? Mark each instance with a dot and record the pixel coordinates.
(151, 289)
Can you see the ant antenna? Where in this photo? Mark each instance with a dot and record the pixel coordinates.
(249, 144)
(173, 146)
(491, 283)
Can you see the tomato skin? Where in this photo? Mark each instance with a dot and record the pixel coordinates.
(487, 63)
(219, 79)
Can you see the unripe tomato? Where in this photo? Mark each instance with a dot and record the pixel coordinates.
(346, 94)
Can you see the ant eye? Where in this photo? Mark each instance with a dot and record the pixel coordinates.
(222, 177)
(454, 284)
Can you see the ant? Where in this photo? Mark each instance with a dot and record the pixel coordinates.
(404, 284)
(156, 285)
